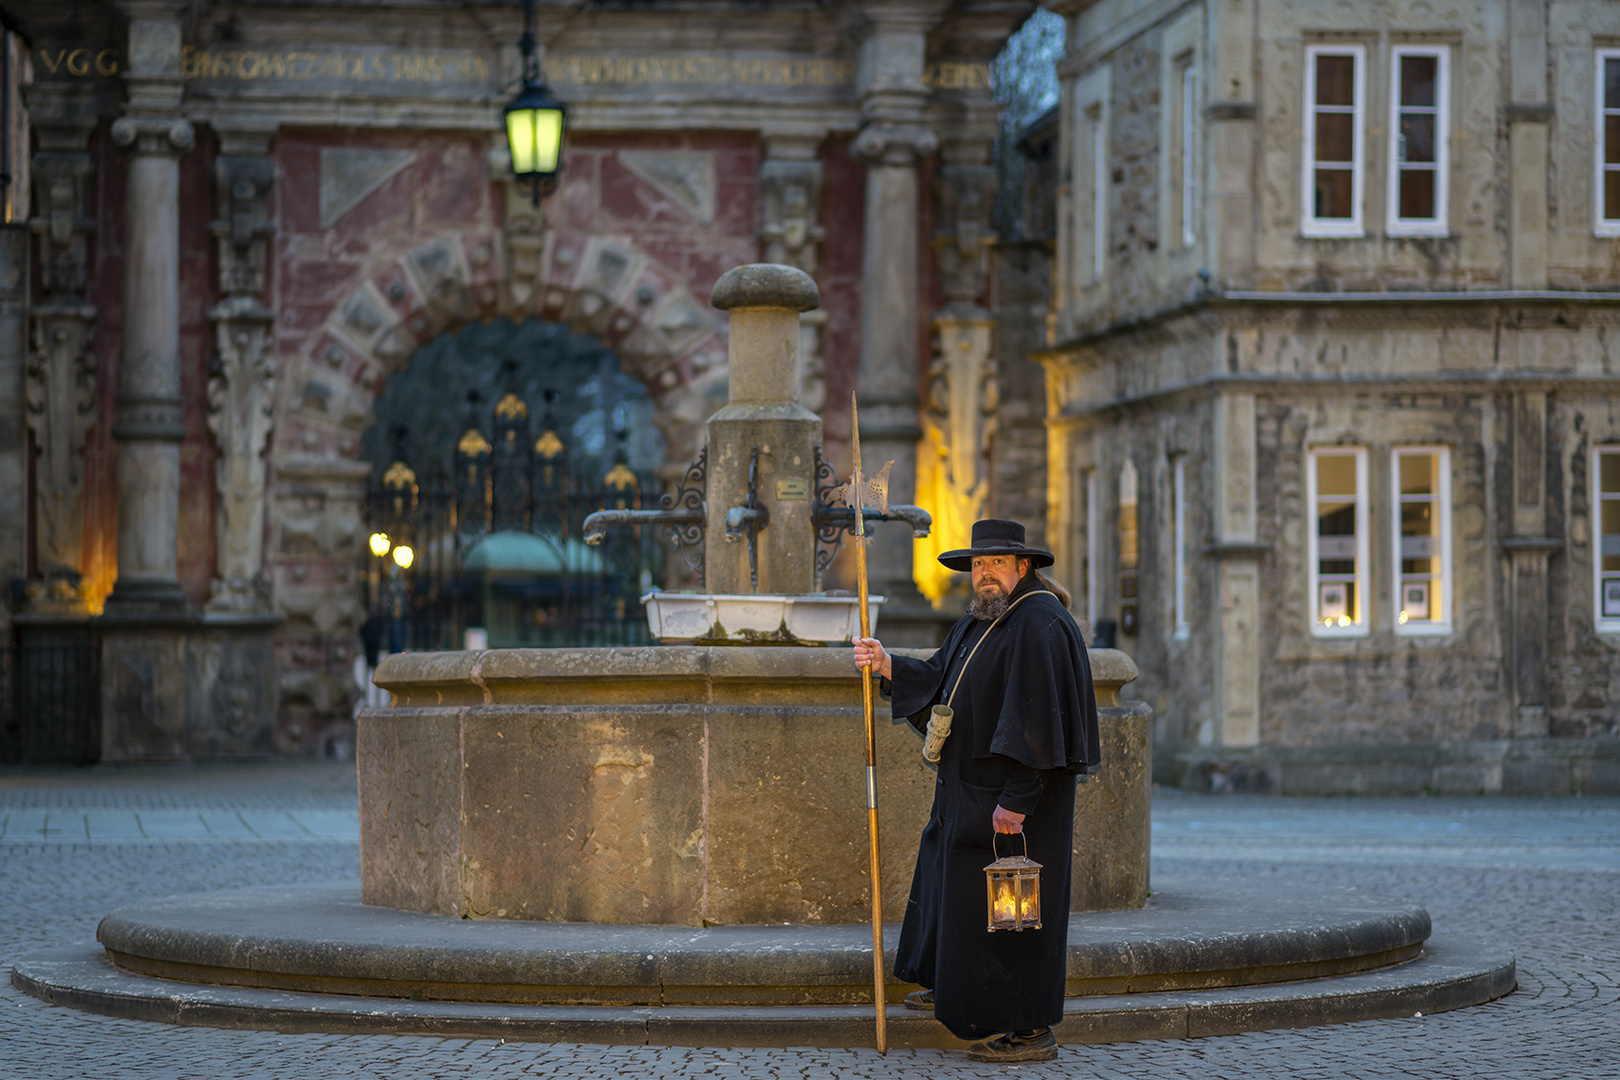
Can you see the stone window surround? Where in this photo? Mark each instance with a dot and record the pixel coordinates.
(1181, 627)
(1091, 490)
(1438, 224)
(1602, 226)
(1611, 624)
(1442, 498)
(1180, 189)
(1090, 180)
(1312, 227)
(1361, 627)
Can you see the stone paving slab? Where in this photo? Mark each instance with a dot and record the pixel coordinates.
(1454, 972)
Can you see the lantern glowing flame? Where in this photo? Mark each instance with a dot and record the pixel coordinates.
(1013, 888)
(380, 544)
(404, 556)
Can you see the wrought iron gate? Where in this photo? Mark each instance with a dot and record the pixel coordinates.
(477, 539)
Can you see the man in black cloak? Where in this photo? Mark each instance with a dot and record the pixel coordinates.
(1024, 727)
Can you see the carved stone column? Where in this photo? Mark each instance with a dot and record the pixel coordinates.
(60, 382)
(959, 421)
(791, 185)
(149, 430)
(241, 383)
(893, 137)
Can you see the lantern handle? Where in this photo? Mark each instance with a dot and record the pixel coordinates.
(1021, 835)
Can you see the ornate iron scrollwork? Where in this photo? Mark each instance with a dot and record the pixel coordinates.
(829, 535)
(832, 522)
(687, 537)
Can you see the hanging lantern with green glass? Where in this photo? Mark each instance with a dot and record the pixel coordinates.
(535, 121)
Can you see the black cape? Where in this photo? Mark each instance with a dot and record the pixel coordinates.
(1026, 707)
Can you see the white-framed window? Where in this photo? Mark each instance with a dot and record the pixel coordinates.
(1606, 558)
(1334, 158)
(1178, 540)
(1336, 492)
(1606, 140)
(1421, 481)
(1419, 134)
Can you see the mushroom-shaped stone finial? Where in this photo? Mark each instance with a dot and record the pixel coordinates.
(766, 285)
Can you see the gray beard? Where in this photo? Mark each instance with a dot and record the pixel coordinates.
(988, 609)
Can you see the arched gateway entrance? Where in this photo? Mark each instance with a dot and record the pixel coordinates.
(487, 451)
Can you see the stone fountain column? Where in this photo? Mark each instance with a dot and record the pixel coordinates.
(763, 416)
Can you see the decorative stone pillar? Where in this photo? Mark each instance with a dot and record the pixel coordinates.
(1238, 554)
(148, 430)
(893, 137)
(959, 420)
(1230, 116)
(241, 383)
(791, 236)
(60, 382)
(1529, 117)
(1528, 549)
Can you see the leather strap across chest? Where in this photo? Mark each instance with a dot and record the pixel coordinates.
(1004, 614)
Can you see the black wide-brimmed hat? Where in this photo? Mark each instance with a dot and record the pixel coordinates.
(993, 536)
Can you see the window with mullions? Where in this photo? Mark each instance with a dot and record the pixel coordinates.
(1334, 156)
(1606, 186)
(1336, 479)
(1606, 511)
(1422, 480)
(1420, 110)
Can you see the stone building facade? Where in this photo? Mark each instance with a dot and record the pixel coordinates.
(239, 220)
(1334, 384)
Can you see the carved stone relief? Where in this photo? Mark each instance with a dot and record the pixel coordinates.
(792, 236)
(63, 228)
(963, 239)
(241, 382)
(60, 380)
(61, 401)
(241, 392)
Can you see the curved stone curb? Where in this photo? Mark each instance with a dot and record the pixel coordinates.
(1192, 935)
(1453, 972)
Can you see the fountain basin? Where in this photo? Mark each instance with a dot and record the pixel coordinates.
(678, 785)
(747, 619)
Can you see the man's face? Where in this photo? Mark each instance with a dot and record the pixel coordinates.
(995, 575)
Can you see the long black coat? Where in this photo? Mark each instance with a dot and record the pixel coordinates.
(1025, 726)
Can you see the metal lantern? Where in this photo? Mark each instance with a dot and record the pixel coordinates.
(535, 121)
(1013, 890)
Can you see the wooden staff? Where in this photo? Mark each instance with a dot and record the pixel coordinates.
(871, 741)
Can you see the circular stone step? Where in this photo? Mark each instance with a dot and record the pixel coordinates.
(1192, 935)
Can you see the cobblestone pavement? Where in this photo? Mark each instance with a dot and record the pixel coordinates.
(1542, 875)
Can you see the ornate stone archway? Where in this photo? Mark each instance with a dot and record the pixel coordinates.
(314, 480)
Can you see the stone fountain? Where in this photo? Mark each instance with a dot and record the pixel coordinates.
(667, 844)
(701, 784)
